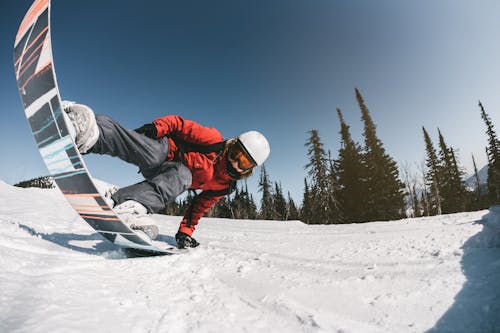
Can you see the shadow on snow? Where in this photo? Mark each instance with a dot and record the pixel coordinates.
(477, 305)
(67, 240)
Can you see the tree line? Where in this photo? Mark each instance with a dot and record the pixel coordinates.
(444, 190)
(362, 184)
(40, 182)
(242, 205)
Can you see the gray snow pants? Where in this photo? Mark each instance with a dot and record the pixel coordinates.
(164, 180)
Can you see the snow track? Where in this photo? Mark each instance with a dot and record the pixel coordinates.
(437, 274)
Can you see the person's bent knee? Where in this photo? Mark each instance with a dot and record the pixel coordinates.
(103, 119)
(156, 160)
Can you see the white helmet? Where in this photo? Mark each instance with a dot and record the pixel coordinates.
(256, 145)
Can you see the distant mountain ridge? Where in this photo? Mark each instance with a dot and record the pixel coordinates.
(483, 177)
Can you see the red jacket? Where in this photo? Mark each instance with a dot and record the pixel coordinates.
(209, 171)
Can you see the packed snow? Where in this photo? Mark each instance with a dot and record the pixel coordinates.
(435, 274)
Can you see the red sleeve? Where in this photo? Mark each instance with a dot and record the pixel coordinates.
(187, 130)
(199, 206)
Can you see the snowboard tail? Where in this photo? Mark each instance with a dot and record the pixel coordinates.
(41, 101)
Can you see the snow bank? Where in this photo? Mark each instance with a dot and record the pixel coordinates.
(492, 223)
(489, 237)
(476, 306)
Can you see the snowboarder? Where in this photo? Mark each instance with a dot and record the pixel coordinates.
(173, 154)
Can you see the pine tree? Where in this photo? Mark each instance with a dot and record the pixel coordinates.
(317, 166)
(385, 191)
(493, 152)
(321, 197)
(172, 209)
(351, 177)
(335, 213)
(333, 190)
(452, 190)
(250, 206)
(292, 211)
(477, 200)
(267, 206)
(237, 204)
(476, 178)
(280, 206)
(222, 209)
(415, 203)
(444, 161)
(458, 183)
(433, 176)
(180, 206)
(306, 211)
(243, 204)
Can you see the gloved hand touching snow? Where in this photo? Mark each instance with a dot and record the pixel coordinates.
(184, 240)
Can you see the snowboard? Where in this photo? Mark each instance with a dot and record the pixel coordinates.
(36, 80)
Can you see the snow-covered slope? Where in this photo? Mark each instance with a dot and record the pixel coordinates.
(437, 274)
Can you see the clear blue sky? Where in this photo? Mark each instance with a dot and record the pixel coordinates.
(281, 67)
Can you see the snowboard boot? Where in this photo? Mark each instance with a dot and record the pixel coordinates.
(84, 126)
(136, 216)
(150, 230)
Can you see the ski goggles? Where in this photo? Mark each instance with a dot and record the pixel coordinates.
(239, 154)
